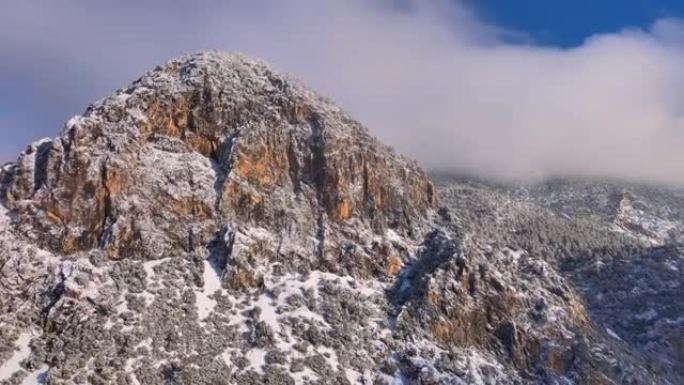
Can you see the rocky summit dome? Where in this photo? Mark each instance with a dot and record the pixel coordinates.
(208, 144)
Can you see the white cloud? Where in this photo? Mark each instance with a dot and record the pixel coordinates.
(425, 76)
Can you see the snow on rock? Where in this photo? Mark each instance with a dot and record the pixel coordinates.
(22, 351)
(613, 334)
(150, 265)
(4, 217)
(257, 359)
(635, 218)
(212, 284)
(36, 377)
(647, 315)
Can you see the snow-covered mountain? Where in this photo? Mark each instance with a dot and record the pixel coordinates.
(217, 222)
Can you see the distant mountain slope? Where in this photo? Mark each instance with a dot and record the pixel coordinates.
(620, 244)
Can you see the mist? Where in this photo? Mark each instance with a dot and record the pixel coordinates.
(427, 77)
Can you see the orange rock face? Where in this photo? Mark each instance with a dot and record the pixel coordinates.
(160, 166)
(394, 265)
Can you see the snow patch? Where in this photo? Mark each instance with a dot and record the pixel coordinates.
(257, 359)
(212, 284)
(647, 315)
(150, 265)
(475, 364)
(4, 216)
(330, 356)
(12, 366)
(268, 312)
(353, 376)
(672, 266)
(129, 370)
(613, 334)
(392, 236)
(38, 376)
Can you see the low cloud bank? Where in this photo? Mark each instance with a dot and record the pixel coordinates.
(427, 77)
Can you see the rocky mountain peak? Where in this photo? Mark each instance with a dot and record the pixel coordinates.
(205, 145)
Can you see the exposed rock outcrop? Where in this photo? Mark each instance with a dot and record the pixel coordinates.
(207, 141)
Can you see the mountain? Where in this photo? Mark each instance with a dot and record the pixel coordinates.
(617, 247)
(216, 222)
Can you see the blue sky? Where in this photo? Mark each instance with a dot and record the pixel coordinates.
(503, 88)
(567, 23)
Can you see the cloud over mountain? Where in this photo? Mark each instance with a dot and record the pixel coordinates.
(429, 78)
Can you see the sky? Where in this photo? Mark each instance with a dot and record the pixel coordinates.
(506, 89)
(568, 23)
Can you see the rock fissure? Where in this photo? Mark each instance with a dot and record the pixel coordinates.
(107, 214)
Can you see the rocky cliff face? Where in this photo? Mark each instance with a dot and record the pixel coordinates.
(206, 146)
(216, 222)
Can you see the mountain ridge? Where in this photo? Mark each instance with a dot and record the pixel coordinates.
(216, 222)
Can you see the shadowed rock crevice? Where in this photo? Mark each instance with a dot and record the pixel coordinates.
(109, 187)
(221, 162)
(293, 167)
(317, 167)
(412, 282)
(220, 250)
(41, 165)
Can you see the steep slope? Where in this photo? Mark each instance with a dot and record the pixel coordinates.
(216, 222)
(654, 214)
(627, 282)
(211, 174)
